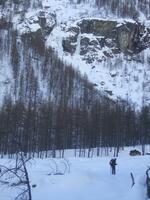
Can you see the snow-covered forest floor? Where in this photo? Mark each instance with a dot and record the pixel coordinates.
(88, 179)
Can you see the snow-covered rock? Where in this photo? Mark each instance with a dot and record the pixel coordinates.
(97, 35)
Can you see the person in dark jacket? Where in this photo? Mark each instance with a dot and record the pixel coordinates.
(113, 165)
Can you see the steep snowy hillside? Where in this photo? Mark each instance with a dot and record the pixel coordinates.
(114, 52)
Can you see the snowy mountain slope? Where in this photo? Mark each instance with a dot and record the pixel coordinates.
(118, 75)
(89, 178)
(121, 76)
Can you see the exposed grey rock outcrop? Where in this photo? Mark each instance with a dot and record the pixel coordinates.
(41, 20)
(33, 28)
(108, 36)
(98, 27)
(69, 43)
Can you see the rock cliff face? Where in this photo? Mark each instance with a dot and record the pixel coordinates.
(34, 27)
(110, 37)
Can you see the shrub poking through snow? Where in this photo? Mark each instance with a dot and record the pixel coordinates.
(59, 168)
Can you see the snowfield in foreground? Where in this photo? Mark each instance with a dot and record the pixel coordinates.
(89, 179)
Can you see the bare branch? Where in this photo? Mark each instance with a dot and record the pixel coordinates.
(132, 177)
